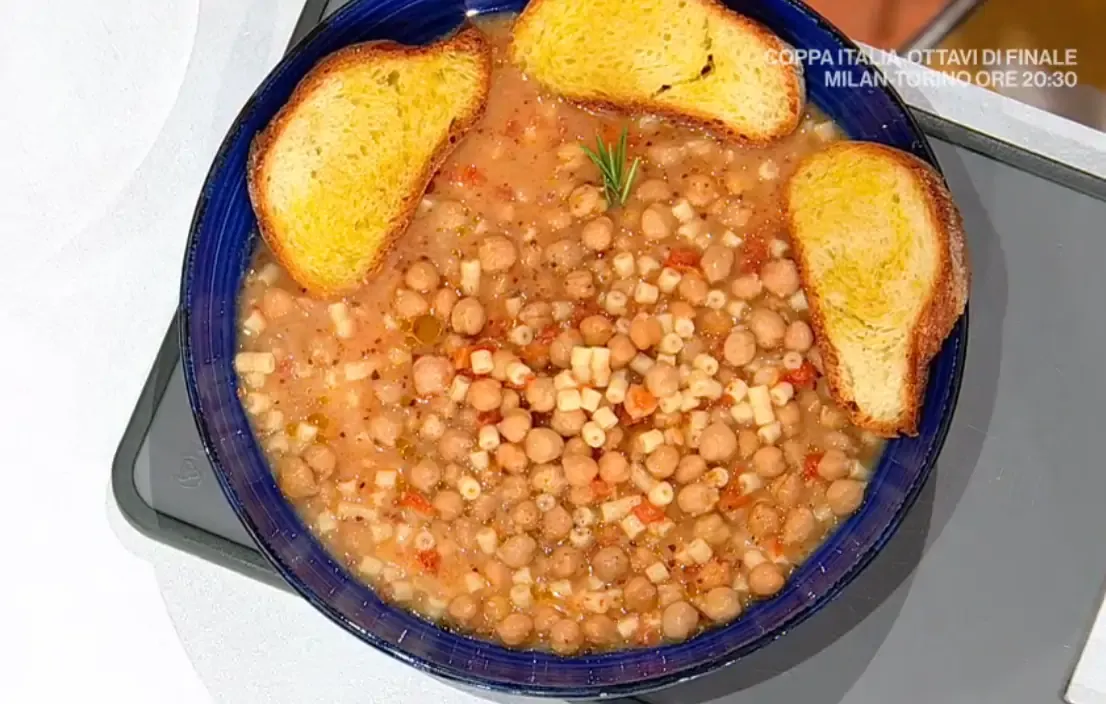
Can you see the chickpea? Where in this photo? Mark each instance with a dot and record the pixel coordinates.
(613, 467)
(276, 303)
(639, 594)
(767, 326)
(700, 190)
(578, 285)
(483, 508)
(690, 469)
(765, 579)
(581, 495)
(662, 380)
(565, 562)
(511, 458)
(515, 629)
(769, 462)
(526, 515)
(789, 491)
(496, 607)
(431, 375)
(385, 429)
(536, 314)
(518, 551)
(763, 521)
(834, 465)
(652, 190)
(568, 423)
(747, 443)
(425, 475)
(485, 395)
(497, 574)
(746, 287)
(711, 528)
(580, 470)
(541, 395)
(596, 330)
(798, 527)
(722, 604)
(598, 233)
(515, 424)
(556, 523)
(833, 417)
(512, 490)
(844, 496)
(545, 617)
(789, 416)
(443, 302)
(600, 629)
(422, 276)
(693, 290)
(497, 253)
(560, 352)
(449, 504)
(835, 439)
(622, 350)
(454, 445)
(468, 316)
(296, 479)
(463, 608)
(679, 620)
(410, 304)
(697, 499)
(610, 564)
(717, 443)
(565, 637)
(548, 479)
(716, 263)
(740, 348)
(576, 446)
(798, 337)
(645, 332)
(715, 323)
(780, 277)
(564, 255)
(663, 462)
(585, 200)
(657, 222)
(321, 459)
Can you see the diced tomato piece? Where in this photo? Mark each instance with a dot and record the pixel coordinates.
(810, 465)
(495, 329)
(639, 402)
(600, 488)
(649, 637)
(415, 501)
(535, 354)
(753, 255)
(732, 499)
(584, 310)
(804, 376)
(648, 513)
(471, 176)
(505, 192)
(430, 560)
(774, 547)
(683, 258)
(547, 334)
(489, 417)
(513, 128)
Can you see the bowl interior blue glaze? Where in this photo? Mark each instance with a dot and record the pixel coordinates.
(221, 242)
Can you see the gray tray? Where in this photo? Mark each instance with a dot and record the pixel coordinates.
(987, 591)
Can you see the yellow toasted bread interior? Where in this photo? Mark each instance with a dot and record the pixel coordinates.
(689, 58)
(872, 251)
(337, 175)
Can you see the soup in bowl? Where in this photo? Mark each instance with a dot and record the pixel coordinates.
(566, 441)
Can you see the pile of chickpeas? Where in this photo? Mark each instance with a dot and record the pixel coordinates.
(598, 428)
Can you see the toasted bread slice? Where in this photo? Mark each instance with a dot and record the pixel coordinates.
(880, 249)
(337, 175)
(691, 60)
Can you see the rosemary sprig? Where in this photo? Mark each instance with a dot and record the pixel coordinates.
(611, 161)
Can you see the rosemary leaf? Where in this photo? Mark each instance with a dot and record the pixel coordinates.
(611, 162)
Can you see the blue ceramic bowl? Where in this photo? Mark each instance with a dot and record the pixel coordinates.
(221, 242)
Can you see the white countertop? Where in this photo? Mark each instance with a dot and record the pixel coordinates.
(111, 114)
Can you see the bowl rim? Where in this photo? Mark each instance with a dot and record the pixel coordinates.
(959, 336)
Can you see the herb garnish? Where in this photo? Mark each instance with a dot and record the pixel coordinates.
(617, 179)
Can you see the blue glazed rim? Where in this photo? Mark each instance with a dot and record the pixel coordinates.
(217, 256)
